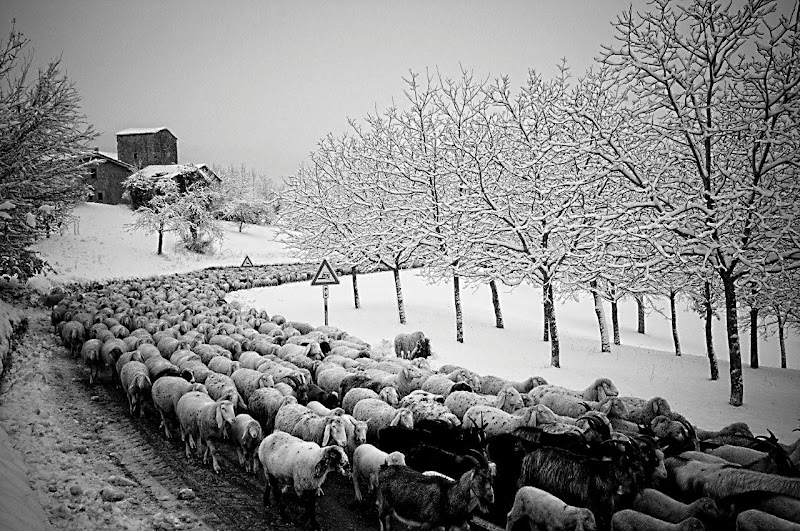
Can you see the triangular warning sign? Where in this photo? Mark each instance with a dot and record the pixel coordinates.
(247, 262)
(325, 275)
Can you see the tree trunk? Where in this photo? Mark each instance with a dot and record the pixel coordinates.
(545, 320)
(615, 320)
(401, 309)
(459, 316)
(712, 356)
(781, 336)
(734, 348)
(498, 313)
(550, 320)
(240, 225)
(640, 313)
(753, 338)
(674, 322)
(160, 240)
(605, 346)
(356, 299)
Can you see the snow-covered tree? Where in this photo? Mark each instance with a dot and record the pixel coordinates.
(719, 84)
(43, 145)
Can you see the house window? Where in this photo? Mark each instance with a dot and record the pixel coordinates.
(100, 197)
(93, 173)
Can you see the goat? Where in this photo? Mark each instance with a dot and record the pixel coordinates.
(546, 512)
(601, 484)
(630, 520)
(431, 501)
(303, 464)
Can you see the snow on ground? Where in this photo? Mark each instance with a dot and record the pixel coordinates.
(103, 247)
(644, 365)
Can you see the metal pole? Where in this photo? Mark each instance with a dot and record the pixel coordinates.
(325, 299)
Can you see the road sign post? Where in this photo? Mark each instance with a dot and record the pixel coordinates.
(325, 277)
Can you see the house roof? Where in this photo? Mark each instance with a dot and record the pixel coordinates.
(174, 170)
(104, 156)
(142, 131)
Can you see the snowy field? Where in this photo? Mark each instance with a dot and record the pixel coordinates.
(644, 365)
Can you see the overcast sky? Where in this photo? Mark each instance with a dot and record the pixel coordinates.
(260, 82)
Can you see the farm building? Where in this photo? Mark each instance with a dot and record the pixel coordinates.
(106, 175)
(184, 175)
(151, 150)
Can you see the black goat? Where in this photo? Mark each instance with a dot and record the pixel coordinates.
(602, 484)
(315, 392)
(433, 501)
(426, 457)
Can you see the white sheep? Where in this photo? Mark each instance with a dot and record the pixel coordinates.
(389, 395)
(495, 421)
(597, 391)
(508, 399)
(330, 377)
(565, 405)
(223, 365)
(546, 512)
(90, 354)
(221, 387)
(367, 462)
(354, 395)
(429, 406)
(491, 385)
(203, 421)
(439, 384)
(322, 410)
(166, 392)
(378, 415)
(247, 434)
(303, 464)
(251, 360)
(135, 381)
(356, 433)
(248, 380)
(630, 520)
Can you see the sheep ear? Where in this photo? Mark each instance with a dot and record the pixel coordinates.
(395, 421)
(220, 420)
(501, 399)
(601, 393)
(326, 437)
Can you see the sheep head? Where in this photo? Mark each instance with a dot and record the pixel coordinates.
(389, 395)
(333, 457)
(224, 414)
(403, 417)
(396, 458)
(583, 519)
(334, 432)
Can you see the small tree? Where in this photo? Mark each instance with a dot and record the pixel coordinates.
(193, 218)
(242, 211)
(157, 217)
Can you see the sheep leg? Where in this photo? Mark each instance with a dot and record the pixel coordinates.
(356, 486)
(167, 431)
(240, 455)
(210, 448)
(311, 509)
(515, 514)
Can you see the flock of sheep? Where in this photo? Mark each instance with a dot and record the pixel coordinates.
(431, 448)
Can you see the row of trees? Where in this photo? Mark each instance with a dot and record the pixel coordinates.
(669, 167)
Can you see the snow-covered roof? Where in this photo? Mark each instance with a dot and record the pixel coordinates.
(174, 170)
(141, 131)
(109, 154)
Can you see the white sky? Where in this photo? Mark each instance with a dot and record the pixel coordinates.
(260, 82)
